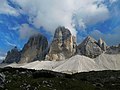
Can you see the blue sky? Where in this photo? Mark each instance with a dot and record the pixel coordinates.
(19, 19)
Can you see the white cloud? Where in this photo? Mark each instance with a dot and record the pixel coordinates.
(2, 56)
(9, 43)
(110, 38)
(26, 31)
(53, 13)
(112, 1)
(93, 14)
(6, 9)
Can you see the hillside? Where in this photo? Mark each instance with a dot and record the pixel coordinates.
(24, 79)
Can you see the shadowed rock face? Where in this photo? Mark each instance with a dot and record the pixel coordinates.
(63, 45)
(113, 49)
(89, 47)
(13, 56)
(102, 44)
(34, 49)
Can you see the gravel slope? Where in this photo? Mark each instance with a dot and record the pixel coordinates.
(75, 64)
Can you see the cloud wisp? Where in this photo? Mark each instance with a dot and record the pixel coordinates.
(26, 31)
(5, 8)
(111, 38)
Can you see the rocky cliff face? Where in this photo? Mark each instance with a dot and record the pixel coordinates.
(113, 49)
(13, 56)
(63, 45)
(34, 49)
(89, 47)
(102, 44)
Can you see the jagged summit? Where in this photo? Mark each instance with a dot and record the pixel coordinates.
(13, 55)
(89, 47)
(90, 38)
(102, 44)
(100, 41)
(87, 39)
(34, 49)
(113, 49)
(63, 45)
(62, 32)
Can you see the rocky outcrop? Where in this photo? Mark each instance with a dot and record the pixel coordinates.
(113, 49)
(63, 45)
(102, 44)
(34, 49)
(13, 56)
(89, 47)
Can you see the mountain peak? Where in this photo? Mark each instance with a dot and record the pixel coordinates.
(13, 55)
(62, 32)
(89, 47)
(89, 38)
(34, 49)
(102, 44)
(63, 45)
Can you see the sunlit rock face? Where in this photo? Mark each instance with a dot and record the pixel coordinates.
(102, 44)
(13, 56)
(113, 49)
(63, 45)
(34, 49)
(89, 47)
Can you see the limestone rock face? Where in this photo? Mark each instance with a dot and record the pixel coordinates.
(63, 45)
(113, 49)
(89, 47)
(13, 56)
(34, 49)
(102, 44)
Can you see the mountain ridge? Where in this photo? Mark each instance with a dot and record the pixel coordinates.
(63, 52)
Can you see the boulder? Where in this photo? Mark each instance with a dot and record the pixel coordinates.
(89, 47)
(63, 45)
(34, 49)
(13, 56)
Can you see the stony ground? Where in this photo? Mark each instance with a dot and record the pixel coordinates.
(24, 79)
